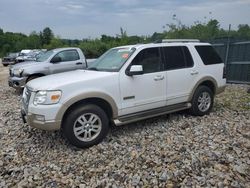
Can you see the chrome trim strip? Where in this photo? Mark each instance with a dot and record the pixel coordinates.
(150, 113)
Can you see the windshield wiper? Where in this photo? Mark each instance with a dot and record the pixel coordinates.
(92, 68)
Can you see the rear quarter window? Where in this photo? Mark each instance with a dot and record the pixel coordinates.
(208, 55)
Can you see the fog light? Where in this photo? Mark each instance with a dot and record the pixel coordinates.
(39, 117)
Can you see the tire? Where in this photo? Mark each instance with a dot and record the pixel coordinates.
(5, 65)
(85, 126)
(202, 102)
(32, 78)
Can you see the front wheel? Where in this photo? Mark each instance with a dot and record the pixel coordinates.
(202, 102)
(85, 126)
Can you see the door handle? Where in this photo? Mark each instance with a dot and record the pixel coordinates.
(78, 63)
(159, 77)
(194, 72)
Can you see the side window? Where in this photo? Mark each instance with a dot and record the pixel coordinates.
(177, 57)
(150, 60)
(68, 55)
(174, 57)
(188, 57)
(208, 55)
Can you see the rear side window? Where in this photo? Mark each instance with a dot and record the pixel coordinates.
(208, 55)
(177, 57)
(188, 57)
(68, 55)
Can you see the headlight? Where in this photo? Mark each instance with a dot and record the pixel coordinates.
(47, 97)
(17, 72)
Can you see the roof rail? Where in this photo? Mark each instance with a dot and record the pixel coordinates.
(180, 40)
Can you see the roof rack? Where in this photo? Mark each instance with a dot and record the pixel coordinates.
(177, 40)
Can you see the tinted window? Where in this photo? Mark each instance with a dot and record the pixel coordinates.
(68, 55)
(188, 57)
(150, 60)
(177, 57)
(208, 55)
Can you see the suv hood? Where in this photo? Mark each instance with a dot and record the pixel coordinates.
(58, 81)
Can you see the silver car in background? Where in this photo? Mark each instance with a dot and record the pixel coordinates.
(51, 62)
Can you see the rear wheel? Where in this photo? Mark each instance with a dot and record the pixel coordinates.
(85, 126)
(202, 101)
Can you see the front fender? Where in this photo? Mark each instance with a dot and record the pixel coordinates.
(86, 96)
(28, 72)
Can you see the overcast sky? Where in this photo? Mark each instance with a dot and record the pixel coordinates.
(91, 18)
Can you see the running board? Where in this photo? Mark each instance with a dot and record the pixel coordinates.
(150, 113)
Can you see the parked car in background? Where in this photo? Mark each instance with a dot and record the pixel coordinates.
(51, 62)
(27, 55)
(126, 84)
(9, 59)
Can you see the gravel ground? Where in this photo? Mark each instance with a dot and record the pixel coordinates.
(175, 150)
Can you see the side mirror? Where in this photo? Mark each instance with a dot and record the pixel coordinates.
(135, 70)
(56, 59)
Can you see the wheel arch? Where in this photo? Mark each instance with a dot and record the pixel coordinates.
(104, 101)
(206, 81)
(35, 74)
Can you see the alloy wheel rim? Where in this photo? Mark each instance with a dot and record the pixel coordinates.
(204, 101)
(87, 127)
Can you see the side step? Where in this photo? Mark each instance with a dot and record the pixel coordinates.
(150, 113)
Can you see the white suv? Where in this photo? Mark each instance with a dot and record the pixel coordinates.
(126, 84)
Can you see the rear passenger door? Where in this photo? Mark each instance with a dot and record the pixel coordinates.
(70, 60)
(181, 73)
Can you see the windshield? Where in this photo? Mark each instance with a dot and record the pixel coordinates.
(45, 56)
(112, 60)
(31, 54)
(12, 55)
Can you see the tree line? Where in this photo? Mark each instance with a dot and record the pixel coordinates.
(92, 48)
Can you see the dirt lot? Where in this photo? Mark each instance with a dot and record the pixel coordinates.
(3, 72)
(176, 150)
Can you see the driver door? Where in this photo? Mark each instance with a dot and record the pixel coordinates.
(68, 60)
(146, 91)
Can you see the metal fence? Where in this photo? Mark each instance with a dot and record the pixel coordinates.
(236, 55)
